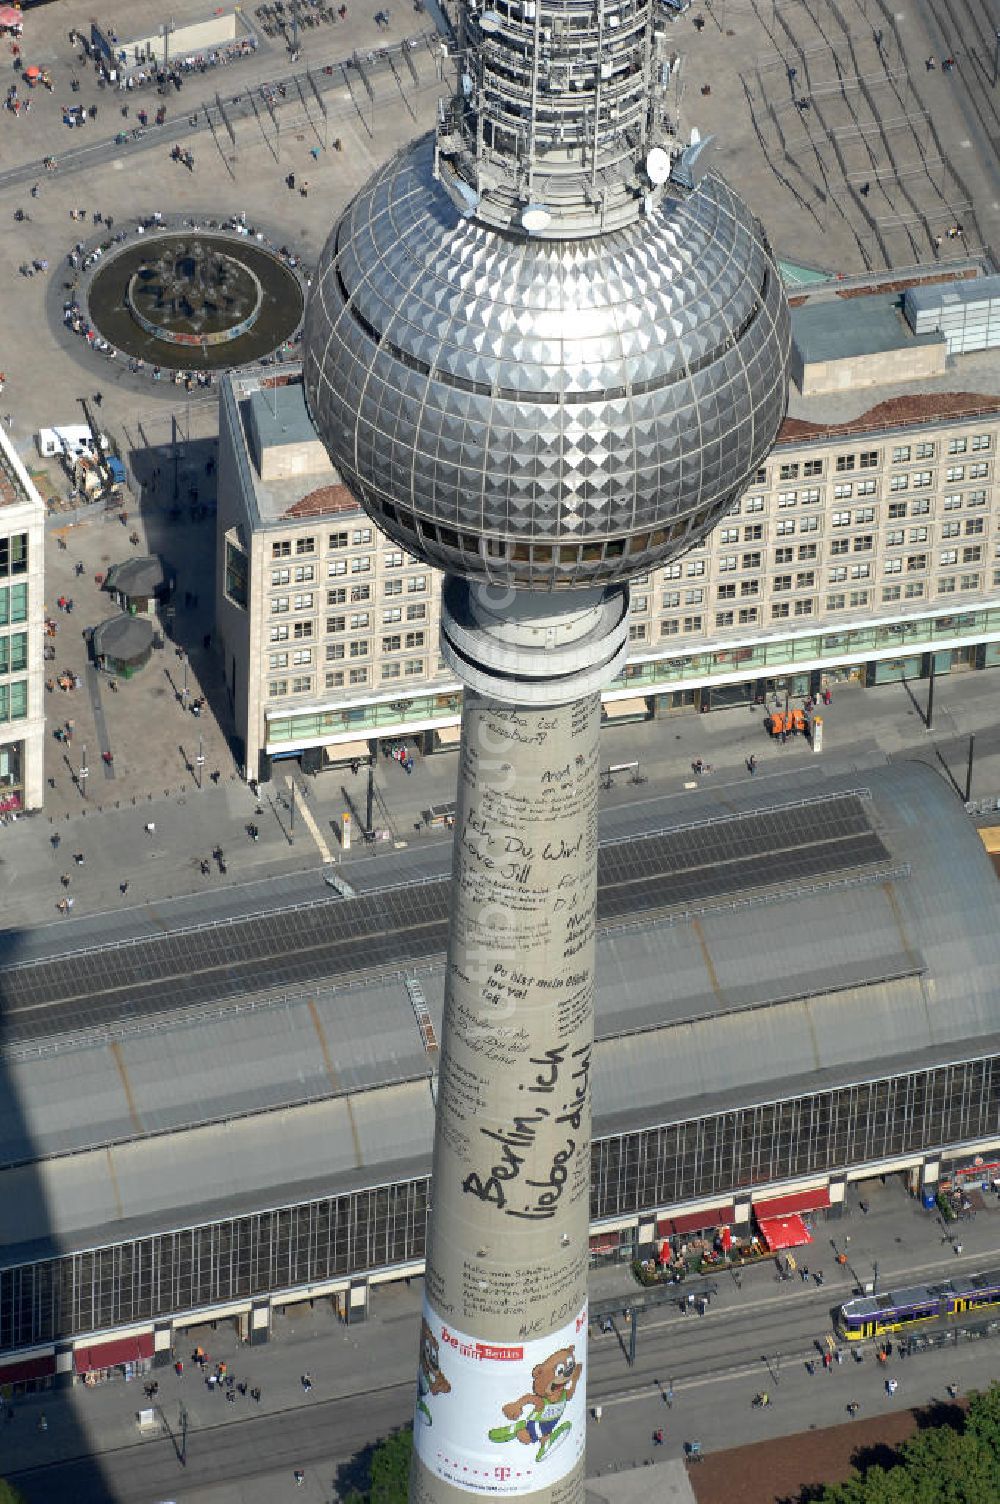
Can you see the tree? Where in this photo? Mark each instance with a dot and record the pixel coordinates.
(940, 1465)
(391, 1468)
(388, 1477)
(9, 1494)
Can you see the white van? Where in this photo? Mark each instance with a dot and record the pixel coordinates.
(73, 440)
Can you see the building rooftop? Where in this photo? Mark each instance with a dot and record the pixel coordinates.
(279, 416)
(877, 950)
(289, 469)
(897, 406)
(139, 577)
(833, 324)
(841, 328)
(326, 501)
(16, 489)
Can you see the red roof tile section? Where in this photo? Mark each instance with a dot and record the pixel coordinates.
(324, 502)
(895, 412)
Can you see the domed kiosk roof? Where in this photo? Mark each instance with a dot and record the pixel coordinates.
(545, 412)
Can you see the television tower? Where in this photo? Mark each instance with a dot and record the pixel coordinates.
(546, 347)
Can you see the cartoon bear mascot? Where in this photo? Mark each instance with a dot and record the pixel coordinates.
(537, 1417)
(430, 1379)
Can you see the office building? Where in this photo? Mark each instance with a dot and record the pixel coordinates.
(865, 548)
(22, 635)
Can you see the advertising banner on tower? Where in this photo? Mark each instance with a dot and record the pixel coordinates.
(500, 1418)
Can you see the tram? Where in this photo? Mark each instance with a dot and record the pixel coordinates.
(896, 1310)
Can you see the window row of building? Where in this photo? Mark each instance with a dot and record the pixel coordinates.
(365, 1231)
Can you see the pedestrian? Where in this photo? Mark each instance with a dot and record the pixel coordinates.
(178, 1366)
(304, 190)
(78, 858)
(150, 827)
(123, 887)
(64, 879)
(98, 398)
(751, 765)
(307, 1383)
(958, 1248)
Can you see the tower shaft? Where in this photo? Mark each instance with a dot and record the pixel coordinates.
(501, 1407)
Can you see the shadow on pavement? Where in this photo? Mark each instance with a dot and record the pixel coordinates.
(43, 1415)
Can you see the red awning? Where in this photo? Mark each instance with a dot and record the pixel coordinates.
(608, 1242)
(783, 1232)
(21, 1370)
(110, 1354)
(712, 1216)
(798, 1201)
(9, 16)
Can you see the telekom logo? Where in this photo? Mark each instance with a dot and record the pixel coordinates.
(502, 1473)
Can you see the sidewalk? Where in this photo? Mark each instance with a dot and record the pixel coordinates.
(108, 828)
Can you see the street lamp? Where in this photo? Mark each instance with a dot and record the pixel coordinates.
(84, 773)
(875, 1279)
(199, 761)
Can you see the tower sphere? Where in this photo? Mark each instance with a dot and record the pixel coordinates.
(545, 413)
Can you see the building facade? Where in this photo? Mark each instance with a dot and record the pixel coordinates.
(866, 549)
(316, 608)
(22, 635)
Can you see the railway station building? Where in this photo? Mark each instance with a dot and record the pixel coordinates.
(794, 992)
(867, 548)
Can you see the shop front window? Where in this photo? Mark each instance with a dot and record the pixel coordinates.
(11, 776)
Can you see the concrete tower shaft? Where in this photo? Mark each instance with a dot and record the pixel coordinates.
(501, 1406)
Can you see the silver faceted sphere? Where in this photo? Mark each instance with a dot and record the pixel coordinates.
(546, 414)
